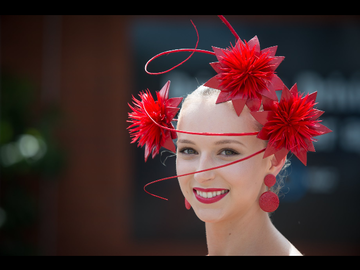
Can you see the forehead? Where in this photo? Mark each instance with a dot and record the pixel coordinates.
(204, 115)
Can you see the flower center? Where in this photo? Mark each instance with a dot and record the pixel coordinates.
(244, 71)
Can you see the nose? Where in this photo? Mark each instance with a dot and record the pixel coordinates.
(205, 162)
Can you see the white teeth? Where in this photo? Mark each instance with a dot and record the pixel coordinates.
(209, 195)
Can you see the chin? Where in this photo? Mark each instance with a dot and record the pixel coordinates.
(210, 215)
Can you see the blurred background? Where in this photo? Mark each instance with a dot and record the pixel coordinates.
(72, 184)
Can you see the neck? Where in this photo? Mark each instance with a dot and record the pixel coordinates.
(251, 234)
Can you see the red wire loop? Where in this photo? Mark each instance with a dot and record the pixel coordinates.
(200, 133)
(177, 50)
(188, 50)
(188, 132)
(186, 174)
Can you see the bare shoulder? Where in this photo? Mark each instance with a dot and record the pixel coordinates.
(282, 246)
(293, 251)
(285, 248)
(278, 246)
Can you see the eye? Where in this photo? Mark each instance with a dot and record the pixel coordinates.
(228, 152)
(188, 151)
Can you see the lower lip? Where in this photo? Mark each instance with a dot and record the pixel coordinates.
(209, 200)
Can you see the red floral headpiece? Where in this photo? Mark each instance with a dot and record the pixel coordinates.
(246, 75)
(143, 115)
(291, 124)
(151, 122)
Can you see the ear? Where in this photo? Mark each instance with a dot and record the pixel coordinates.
(275, 165)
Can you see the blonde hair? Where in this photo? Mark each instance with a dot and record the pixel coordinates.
(207, 92)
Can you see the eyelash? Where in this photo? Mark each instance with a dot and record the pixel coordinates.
(186, 149)
(183, 150)
(233, 152)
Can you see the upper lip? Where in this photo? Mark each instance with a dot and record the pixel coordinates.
(209, 189)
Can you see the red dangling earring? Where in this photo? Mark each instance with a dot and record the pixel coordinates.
(187, 204)
(269, 201)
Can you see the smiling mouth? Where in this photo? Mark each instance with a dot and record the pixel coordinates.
(210, 195)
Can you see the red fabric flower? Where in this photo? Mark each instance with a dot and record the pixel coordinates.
(162, 112)
(245, 74)
(290, 124)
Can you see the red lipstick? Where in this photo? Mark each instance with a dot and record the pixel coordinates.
(210, 195)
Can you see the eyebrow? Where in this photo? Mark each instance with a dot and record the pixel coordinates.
(185, 141)
(228, 142)
(216, 143)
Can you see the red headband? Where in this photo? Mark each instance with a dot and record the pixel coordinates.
(246, 75)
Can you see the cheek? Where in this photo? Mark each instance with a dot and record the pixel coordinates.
(183, 167)
(245, 178)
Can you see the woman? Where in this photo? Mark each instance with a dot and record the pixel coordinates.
(233, 138)
(235, 224)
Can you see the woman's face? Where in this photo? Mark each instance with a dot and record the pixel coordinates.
(228, 192)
